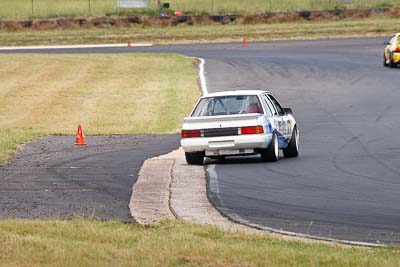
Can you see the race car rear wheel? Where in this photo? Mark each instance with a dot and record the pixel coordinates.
(292, 150)
(391, 62)
(271, 154)
(194, 158)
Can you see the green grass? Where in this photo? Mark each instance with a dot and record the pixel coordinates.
(109, 94)
(53, 8)
(172, 243)
(210, 33)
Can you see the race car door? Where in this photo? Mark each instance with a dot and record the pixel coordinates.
(282, 121)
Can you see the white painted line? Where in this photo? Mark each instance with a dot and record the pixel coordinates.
(213, 179)
(202, 76)
(9, 48)
(213, 176)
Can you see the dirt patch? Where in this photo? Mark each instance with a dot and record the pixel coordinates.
(394, 13)
(155, 21)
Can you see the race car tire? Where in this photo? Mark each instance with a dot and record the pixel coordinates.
(391, 62)
(292, 150)
(194, 158)
(271, 153)
(384, 61)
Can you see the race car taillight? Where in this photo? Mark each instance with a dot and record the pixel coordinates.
(252, 130)
(190, 133)
(397, 49)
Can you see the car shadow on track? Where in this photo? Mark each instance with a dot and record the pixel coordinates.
(240, 160)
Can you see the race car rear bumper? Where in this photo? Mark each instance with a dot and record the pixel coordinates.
(226, 143)
(396, 57)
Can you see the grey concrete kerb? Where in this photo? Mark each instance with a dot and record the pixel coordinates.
(168, 188)
(149, 202)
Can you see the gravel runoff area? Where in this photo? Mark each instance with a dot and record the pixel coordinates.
(168, 188)
(53, 178)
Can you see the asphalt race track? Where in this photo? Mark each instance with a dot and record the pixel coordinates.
(346, 182)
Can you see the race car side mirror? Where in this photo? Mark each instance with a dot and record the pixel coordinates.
(386, 43)
(288, 111)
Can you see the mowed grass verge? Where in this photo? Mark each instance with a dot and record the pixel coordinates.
(109, 94)
(206, 33)
(172, 243)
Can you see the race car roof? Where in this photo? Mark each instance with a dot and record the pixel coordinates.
(237, 92)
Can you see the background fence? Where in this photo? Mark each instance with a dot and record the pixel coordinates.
(53, 8)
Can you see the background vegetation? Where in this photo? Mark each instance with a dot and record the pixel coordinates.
(207, 33)
(55, 8)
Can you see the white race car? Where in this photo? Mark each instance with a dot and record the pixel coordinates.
(242, 122)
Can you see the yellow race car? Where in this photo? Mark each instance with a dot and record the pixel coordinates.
(391, 56)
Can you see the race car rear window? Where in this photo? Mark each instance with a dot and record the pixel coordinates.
(227, 105)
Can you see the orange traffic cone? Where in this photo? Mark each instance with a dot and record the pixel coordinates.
(244, 43)
(80, 137)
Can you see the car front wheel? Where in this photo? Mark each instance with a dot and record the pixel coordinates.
(271, 153)
(292, 150)
(194, 158)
